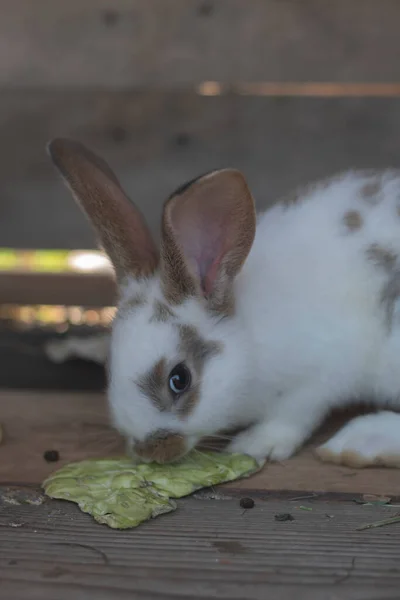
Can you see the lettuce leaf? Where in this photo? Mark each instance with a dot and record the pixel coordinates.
(122, 494)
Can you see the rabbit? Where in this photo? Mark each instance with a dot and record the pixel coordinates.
(263, 323)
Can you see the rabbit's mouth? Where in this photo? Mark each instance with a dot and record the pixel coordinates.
(161, 447)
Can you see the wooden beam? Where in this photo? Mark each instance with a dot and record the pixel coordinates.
(136, 43)
(68, 289)
(156, 141)
(77, 425)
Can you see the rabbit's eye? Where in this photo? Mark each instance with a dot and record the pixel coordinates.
(179, 379)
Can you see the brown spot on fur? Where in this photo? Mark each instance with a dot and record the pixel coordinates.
(162, 312)
(152, 383)
(131, 304)
(371, 191)
(162, 447)
(353, 220)
(195, 347)
(381, 257)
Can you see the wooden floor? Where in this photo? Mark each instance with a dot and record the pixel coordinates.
(210, 547)
(207, 549)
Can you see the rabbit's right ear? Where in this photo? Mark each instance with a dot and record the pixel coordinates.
(120, 226)
(208, 229)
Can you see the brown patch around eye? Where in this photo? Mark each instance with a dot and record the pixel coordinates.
(162, 312)
(198, 351)
(162, 447)
(371, 191)
(381, 257)
(194, 346)
(152, 382)
(353, 220)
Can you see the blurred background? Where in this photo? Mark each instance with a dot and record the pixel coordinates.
(287, 91)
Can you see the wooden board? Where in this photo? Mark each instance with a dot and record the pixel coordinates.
(68, 289)
(57, 289)
(130, 43)
(77, 425)
(156, 141)
(206, 549)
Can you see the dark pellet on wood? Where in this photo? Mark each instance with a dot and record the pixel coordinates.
(284, 517)
(247, 503)
(110, 17)
(119, 134)
(206, 9)
(51, 456)
(182, 139)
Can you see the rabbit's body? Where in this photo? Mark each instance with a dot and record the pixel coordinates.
(267, 327)
(318, 296)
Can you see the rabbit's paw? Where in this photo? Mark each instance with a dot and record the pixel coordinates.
(274, 441)
(365, 441)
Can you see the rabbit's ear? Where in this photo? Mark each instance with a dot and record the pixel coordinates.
(207, 231)
(119, 224)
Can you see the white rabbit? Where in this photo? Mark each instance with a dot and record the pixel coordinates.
(233, 323)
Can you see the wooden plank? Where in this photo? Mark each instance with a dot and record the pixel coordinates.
(206, 549)
(309, 88)
(156, 141)
(68, 289)
(77, 425)
(74, 424)
(179, 42)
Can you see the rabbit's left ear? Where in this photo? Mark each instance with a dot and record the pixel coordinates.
(119, 224)
(207, 231)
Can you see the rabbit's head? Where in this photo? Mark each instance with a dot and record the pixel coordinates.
(179, 358)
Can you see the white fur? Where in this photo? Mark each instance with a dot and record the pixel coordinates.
(308, 334)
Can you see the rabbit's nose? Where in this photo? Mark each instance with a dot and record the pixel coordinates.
(162, 446)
